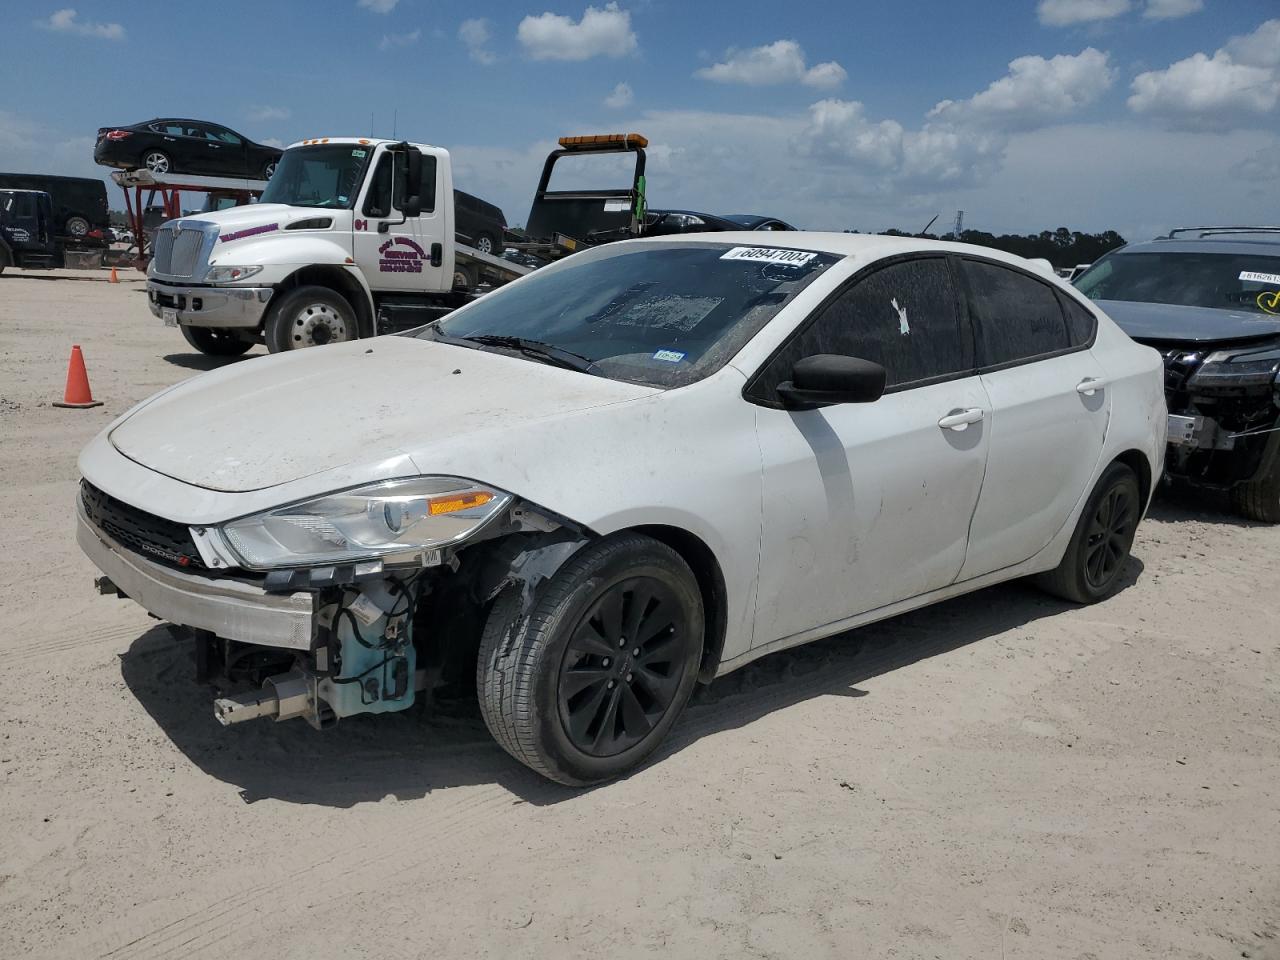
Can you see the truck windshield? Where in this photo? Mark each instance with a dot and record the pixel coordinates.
(661, 315)
(1227, 281)
(324, 176)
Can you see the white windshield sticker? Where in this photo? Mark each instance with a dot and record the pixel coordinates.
(671, 356)
(1261, 277)
(615, 206)
(796, 258)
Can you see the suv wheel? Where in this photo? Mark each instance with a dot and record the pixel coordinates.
(485, 244)
(1259, 499)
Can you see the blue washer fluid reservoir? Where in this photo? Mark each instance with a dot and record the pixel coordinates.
(375, 669)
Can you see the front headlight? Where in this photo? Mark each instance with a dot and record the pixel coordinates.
(1232, 368)
(230, 274)
(381, 520)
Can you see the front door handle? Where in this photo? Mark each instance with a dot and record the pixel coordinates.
(1090, 385)
(960, 419)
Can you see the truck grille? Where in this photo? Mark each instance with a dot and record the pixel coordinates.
(177, 250)
(159, 540)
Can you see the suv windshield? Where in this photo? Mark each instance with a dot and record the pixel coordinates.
(1227, 281)
(324, 176)
(662, 315)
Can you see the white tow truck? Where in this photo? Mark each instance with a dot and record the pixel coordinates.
(353, 237)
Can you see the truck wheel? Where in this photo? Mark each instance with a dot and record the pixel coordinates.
(1099, 548)
(215, 342)
(464, 277)
(157, 161)
(310, 317)
(1259, 499)
(586, 685)
(77, 226)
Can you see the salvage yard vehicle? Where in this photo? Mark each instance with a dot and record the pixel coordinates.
(27, 237)
(1208, 298)
(636, 469)
(185, 146)
(79, 203)
(349, 233)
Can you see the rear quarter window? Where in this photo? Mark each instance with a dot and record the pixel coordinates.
(1017, 317)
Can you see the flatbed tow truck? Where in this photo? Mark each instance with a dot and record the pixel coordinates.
(353, 237)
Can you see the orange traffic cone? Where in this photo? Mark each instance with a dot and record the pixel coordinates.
(77, 393)
(114, 278)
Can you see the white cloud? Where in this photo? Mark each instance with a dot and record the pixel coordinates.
(378, 6)
(1232, 88)
(272, 142)
(621, 97)
(601, 32)
(68, 21)
(268, 112)
(392, 40)
(782, 61)
(1034, 92)
(1258, 49)
(475, 36)
(1066, 13)
(1171, 9)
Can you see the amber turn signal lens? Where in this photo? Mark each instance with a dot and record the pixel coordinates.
(453, 502)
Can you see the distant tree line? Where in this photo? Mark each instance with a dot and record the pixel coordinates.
(1061, 247)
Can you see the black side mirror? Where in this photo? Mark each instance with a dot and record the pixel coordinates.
(827, 379)
(413, 181)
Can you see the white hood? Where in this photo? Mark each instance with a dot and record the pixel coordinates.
(272, 420)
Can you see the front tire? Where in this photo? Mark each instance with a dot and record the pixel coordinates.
(215, 342)
(1099, 549)
(486, 244)
(1259, 499)
(310, 316)
(586, 686)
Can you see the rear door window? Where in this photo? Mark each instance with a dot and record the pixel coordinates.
(904, 316)
(1016, 316)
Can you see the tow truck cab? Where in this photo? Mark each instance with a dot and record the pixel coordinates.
(357, 236)
(27, 232)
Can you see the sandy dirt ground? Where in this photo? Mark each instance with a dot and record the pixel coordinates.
(1002, 775)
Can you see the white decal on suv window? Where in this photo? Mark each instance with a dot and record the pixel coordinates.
(1260, 277)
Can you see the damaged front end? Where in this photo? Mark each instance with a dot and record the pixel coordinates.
(382, 607)
(1224, 410)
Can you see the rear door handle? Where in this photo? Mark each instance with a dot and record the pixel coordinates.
(960, 419)
(1090, 385)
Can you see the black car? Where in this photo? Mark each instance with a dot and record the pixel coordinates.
(79, 203)
(479, 223)
(185, 146)
(1209, 300)
(663, 222)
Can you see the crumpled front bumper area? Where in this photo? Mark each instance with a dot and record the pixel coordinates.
(224, 606)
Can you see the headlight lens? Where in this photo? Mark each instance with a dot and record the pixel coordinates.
(230, 274)
(1231, 368)
(376, 521)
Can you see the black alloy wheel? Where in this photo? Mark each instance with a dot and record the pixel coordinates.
(621, 669)
(1110, 535)
(1095, 558)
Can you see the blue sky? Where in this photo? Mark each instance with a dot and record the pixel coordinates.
(1130, 114)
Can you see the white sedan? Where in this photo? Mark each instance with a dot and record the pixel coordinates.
(637, 469)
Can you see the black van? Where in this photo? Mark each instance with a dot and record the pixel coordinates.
(479, 223)
(79, 203)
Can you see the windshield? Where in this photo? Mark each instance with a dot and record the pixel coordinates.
(661, 315)
(325, 176)
(1226, 281)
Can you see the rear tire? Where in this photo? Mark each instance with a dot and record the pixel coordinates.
(215, 342)
(268, 169)
(1259, 499)
(310, 316)
(486, 244)
(1099, 549)
(564, 689)
(157, 161)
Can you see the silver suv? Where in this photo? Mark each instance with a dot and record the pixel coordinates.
(1208, 298)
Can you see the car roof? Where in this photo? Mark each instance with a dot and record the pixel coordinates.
(864, 246)
(1261, 244)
